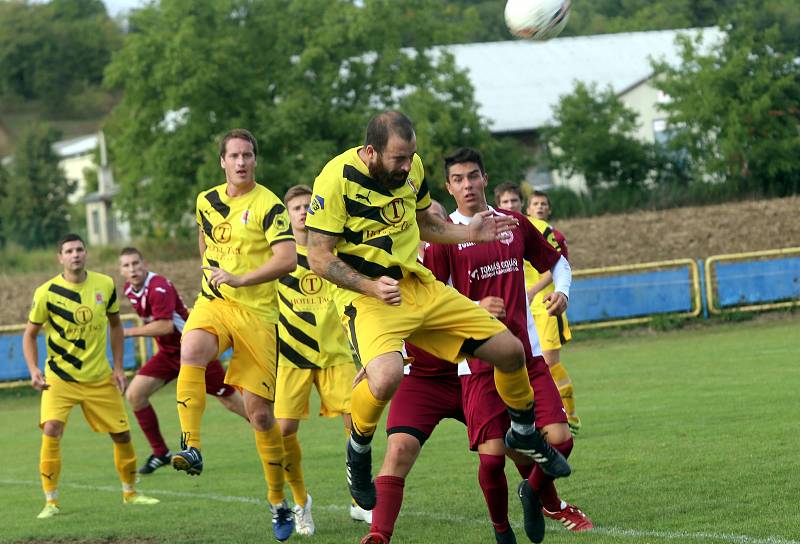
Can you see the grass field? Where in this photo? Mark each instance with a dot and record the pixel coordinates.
(689, 436)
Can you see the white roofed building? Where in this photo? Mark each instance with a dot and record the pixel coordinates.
(517, 83)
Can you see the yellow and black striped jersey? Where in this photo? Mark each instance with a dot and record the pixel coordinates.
(531, 275)
(310, 331)
(377, 227)
(239, 233)
(75, 319)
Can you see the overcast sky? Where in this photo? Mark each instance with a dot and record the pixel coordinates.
(116, 6)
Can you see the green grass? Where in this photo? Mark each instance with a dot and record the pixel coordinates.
(689, 436)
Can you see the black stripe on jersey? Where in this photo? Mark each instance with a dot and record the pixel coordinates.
(302, 260)
(351, 173)
(74, 296)
(370, 269)
(61, 352)
(423, 190)
(287, 232)
(299, 335)
(60, 312)
(352, 236)
(221, 208)
(291, 282)
(214, 290)
(58, 372)
(357, 209)
(300, 361)
(269, 218)
(208, 228)
(112, 299)
(381, 242)
(308, 317)
(80, 343)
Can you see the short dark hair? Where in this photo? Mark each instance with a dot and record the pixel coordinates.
(237, 134)
(130, 251)
(383, 125)
(460, 156)
(297, 190)
(507, 187)
(71, 237)
(540, 193)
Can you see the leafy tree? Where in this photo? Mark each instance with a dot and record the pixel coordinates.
(734, 109)
(303, 76)
(34, 206)
(49, 51)
(592, 135)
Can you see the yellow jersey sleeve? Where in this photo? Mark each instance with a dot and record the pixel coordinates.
(327, 213)
(38, 313)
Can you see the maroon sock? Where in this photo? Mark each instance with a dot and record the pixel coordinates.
(543, 485)
(492, 478)
(525, 470)
(148, 421)
(390, 498)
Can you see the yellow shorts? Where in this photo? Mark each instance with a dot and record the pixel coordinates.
(432, 316)
(101, 403)
(255, 344)
(553, 330)
(334, 385)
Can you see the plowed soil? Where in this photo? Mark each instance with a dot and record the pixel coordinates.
(646, 236)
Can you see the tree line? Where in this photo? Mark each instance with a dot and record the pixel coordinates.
(305, 77)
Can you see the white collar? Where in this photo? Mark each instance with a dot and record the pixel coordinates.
(460, 219)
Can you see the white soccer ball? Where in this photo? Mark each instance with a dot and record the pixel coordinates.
(537, 19)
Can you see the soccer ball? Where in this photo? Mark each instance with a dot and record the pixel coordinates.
(537, 19)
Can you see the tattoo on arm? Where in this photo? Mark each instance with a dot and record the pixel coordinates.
(431, 227)
(344, 276)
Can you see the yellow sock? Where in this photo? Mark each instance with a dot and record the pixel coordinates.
(514, 388)
(191, 396)
(292, 459)
(565, 388)
(365, 409)
(125, 462)
(270, 449)
(50, 466)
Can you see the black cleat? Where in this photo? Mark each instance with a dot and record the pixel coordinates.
(505, 538)
(155, 462)
(536, 447)
(531, 512)
(359, 477)
(188, 460)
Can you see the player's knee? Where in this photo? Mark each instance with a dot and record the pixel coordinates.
(53, 428)
(121, 438)
(136, 398)
(557, 433)
(401, 454)
(504, 351)
(261, 419)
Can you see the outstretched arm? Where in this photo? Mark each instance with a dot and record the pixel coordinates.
(282, 262)
(484, 227)
(157, 327)
(325, 263)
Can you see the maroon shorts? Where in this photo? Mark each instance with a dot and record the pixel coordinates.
(166, 367)
(487, 417)
(420, 403)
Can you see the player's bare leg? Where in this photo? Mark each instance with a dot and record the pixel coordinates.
(370, 397)
(198, 348)
(504, 351)
(235, 404)
(138, 394)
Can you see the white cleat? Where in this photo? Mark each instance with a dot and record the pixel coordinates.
(303, 522)
(359, 514)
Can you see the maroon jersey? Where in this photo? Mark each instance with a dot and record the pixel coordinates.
(562, 242)
(158, 299)
(495, 269)
(427, 366)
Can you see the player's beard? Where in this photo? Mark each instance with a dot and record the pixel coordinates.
(390, 180)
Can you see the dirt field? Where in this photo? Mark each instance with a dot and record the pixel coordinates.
(596, 242)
